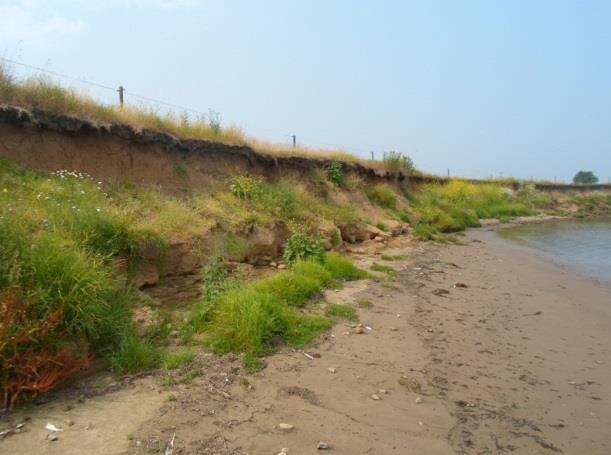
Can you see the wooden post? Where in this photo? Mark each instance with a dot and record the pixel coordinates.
(121, 90)
(294, 140)
(372, 158)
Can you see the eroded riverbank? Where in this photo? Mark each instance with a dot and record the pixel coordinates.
(476, 348)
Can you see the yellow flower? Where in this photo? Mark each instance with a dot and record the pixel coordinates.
(4, 190)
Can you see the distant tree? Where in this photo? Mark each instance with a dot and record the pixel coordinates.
(587, 177)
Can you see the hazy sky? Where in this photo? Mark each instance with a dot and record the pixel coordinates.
(485, 87)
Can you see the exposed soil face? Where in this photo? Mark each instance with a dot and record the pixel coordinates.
(120, 153)
(471, 349)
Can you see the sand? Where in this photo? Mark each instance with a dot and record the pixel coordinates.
(477, 348)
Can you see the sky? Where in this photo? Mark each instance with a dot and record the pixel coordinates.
(480, 88)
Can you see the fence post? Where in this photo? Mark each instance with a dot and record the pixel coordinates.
(294, 140)
(121, 90)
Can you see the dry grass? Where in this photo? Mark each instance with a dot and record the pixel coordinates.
(44, 93)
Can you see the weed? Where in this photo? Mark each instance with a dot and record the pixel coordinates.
(335, 173)
(381, 226)
(341, 311)
(301, 246)
(174, 361)
(246, 187)
(172, 397)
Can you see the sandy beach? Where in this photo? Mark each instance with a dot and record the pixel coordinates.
(472, 349)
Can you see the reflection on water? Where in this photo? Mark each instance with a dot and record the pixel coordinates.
(585, 244)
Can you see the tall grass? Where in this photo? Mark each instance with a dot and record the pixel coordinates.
(59, 240)
(457, 205)
(252, 319)
(44, 93)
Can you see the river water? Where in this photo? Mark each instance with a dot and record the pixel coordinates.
(581, 244)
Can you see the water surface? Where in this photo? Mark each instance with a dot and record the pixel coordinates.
(582, 244)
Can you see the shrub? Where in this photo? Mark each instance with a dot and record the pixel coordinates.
(397, 161)
(335, 173)
(301, 246)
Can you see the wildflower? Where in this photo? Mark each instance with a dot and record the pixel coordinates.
(4, 190)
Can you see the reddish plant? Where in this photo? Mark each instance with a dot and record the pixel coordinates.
(30, 361)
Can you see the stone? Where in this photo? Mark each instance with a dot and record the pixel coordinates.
(52, 437)
(375, 397)
(281, 266)
(323, 446)
(418, 400)
(285, 426)
(331, 370)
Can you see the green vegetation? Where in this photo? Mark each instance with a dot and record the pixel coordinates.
(174, 361)
(39, 92)
(383, 268)
(335, 173)
(456, 205)
(585, 177)
(301, 246)
(61, 298)
(397, 161)
(336, 310)
(382, 195)
(253, 318)
(398, 257)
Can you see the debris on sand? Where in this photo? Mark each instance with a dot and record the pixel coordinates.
(461, 285)
(375, 396)
(285, 426)
(410, 384)
(323, 446)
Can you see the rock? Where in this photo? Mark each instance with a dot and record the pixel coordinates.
(283, 451)
(52, 437)
(331, 370)
(354, 233)
(281, 266)
(418, 400)
(266, 242)
(375, 397)
(323, 446)
(358, 329)
(273, 264)
(383, 391)
(285, 426)
(461, 285)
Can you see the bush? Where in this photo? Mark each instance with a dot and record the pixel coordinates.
(397, 161)
(335, 173)
(301, 246)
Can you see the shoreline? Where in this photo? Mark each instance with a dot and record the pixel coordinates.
(468, 349)
(524, 345)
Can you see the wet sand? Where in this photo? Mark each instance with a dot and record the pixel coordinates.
(478, 348)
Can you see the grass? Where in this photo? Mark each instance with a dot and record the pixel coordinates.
(174, 361)
(375, 267)
(457, 205)
(398, 257)
(43, 93)
(253, 318)
(382, 195)
(336, 310)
